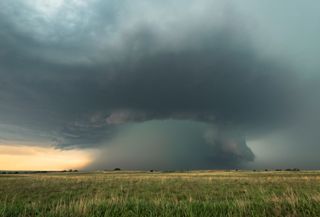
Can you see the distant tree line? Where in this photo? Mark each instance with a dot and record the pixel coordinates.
(36, 172)
(70, 171)
(22, 172)
(289, 169)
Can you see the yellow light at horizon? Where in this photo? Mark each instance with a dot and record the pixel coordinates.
(14, 157)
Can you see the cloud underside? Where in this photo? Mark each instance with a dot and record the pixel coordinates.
(84, 86)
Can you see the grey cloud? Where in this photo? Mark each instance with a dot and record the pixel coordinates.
(81, 78)
(172, 144)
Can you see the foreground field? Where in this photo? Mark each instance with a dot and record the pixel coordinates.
(161, 194)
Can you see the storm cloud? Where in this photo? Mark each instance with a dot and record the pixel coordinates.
(120, 77)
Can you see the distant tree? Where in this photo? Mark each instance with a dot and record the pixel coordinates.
(117, 169)
(266, 170)
(293, 169)
(151, 171)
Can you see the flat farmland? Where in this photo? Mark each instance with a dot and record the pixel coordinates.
(128, 193)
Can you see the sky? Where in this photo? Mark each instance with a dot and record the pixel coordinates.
(159, 84)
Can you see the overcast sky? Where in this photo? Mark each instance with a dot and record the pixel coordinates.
(159, 84)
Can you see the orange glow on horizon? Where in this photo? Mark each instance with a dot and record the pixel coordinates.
(14, 157)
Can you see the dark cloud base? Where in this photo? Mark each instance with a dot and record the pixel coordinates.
(216, 76)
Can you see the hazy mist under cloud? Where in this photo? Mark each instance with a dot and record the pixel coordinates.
(163, 84)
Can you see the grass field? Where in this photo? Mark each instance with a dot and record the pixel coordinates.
(198, 194)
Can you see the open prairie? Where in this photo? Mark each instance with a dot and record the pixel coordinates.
(197, 193)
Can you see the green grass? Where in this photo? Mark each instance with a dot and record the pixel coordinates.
(141, 194)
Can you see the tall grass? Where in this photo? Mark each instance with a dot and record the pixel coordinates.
(161, 194)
